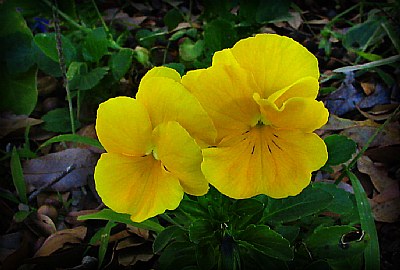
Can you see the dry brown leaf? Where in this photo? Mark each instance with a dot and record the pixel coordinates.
(388, 211)
(295, 21)
(40, 171)
(40, 224)
(59, 239)
(338, 123)
(376, 172)
(138, 231)
(11, 122)
(368, 87)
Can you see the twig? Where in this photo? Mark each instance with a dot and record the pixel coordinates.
(62, 63)
(68, 170)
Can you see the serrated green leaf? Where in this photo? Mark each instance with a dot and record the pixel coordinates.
(58, 120)
(266, 241)
(341, 203)
(79, 78)
(189, 50)
(73, 138)
(121, 62)
(340, 149)
(178, 255)
(325, 242)
(108, 214)
(18, 176)
(166, 236)
(219, 34)
(200, 229)
(205, 256)
(310, 201)
(47, 44)
(95, 45)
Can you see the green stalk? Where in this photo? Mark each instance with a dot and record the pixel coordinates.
(366, 146)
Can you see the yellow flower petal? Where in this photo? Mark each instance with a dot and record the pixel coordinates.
(139, 186)
(167, 100)
(181, 156)
(264, 160)
(304, 114)
(123, 126)
(225, 91)
(305, 87)
(164, 72)
(275, 61)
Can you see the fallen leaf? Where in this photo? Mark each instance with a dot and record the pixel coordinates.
(338, 123)
(387, 154)
(59, 239)
(40, 224)
(368, 87)
(361, 134)
(11, 122)
(40, 171)
(295, 21)
(388, 211)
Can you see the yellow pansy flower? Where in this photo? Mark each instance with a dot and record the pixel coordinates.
(152, 143)
(261, 95)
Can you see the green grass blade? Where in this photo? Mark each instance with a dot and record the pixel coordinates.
(18, 176)
(108, 214)
(377, 63)
(73, 138)
(371, 253)
(104, 239)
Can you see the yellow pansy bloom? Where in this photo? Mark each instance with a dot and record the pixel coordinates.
(260, 95)
(152, 143)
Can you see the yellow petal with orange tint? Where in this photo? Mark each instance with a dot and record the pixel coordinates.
(139, 186)
(181, 156)
(123, 126)
(167, 100)
(226, 93)
(275, 61)
(264, 160)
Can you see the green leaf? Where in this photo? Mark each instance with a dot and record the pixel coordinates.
(378, 63)
(47, 43)
(340, 149)
(168, 235)
(189, 50)
(200, 229)
(18, 91)
(172, 18)
(108, 214)
(121, 62)
(205, 256)
(20, 216)
(45, 63)
(325, 242)
(58, 120)
(73, 138)
(255, 260)
(194, 209)
(288, 232)
(371, 253)
(147, 38)
(20, 58)
(104, 239)
(360, 36)
(262, 11)
(219, 34)
(79, 78)
(341, 203)
(18, 176)
(95, 45)
(178, 255)
(246, 212)
(177, 66)
(266, 241)
(310, 201)
(351, 263)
